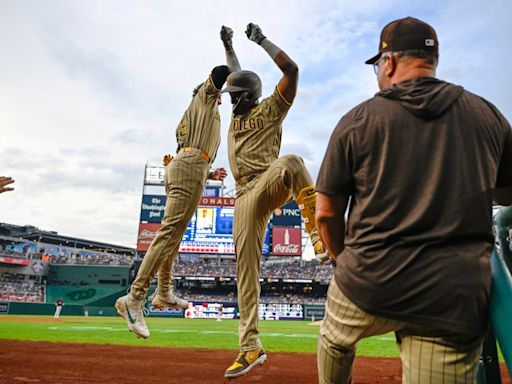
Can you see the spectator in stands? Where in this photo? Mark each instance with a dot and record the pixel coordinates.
(4, 181)
(26, 250)
(189, 312)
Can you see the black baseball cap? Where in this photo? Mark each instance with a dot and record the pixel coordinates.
(405, 34)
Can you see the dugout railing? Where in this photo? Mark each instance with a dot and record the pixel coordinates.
(500, 309)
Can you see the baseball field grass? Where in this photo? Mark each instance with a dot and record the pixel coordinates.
(277, 336)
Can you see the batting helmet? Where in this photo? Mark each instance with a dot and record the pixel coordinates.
(248, 85)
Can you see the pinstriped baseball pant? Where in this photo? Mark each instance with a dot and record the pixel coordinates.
(285, 178)
(184, 183)
(428, 356)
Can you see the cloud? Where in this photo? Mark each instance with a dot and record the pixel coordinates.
(93, 90)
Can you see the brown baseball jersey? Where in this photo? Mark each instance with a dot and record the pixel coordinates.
(185, 176)
(200, 124)
(254, 140)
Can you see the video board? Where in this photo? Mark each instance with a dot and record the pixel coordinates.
(209, 231)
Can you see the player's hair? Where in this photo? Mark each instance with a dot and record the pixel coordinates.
(430, 57)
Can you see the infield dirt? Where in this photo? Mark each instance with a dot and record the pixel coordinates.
(64, 363)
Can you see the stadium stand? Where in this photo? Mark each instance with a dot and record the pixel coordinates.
(19, 288)
(36, 266)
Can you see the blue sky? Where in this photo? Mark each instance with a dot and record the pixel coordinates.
(91, 91)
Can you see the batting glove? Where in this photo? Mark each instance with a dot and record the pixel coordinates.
(254, 33)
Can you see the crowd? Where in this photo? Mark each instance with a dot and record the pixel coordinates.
(184, 266)
(292, 298)
(86, 258)
(316, 272)
(93, 259)
(274, 298)
(13, 289)
(212, 268)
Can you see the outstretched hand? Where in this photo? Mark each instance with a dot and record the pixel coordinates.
(5, 181)
(219, 174)
(254, 33)
(226, 34)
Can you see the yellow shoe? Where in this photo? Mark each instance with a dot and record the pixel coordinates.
(245, 362)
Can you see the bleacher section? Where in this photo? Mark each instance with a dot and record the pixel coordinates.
(39, 266)
(291, 270)
(18, 288)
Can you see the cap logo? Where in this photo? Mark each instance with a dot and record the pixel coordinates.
(429, 42)
(384, 45)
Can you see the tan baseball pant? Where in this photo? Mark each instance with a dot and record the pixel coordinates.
(428, 355)
(184, 183)
(285, 178)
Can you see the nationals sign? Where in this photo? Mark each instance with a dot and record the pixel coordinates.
(286, 241)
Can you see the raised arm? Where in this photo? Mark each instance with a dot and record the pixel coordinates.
(226, 35)
(288, 84)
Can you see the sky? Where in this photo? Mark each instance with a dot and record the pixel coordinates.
(92, 91)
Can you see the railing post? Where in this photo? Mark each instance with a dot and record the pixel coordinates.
(500, 309)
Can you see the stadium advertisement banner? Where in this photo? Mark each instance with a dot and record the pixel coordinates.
(286, 241)
(4, 307)
(287, 216)
(217, 201)
(314, 312)
(23, 248)
(56, 250)
(211, 191)
(10, 260)
(34, 268)
(197, 310)
(147, 232)
(280, 312)
(153, 208)
(171, 312)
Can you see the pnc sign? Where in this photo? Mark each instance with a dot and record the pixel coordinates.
(287, 216)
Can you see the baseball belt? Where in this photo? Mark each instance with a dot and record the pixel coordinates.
(243, 181)
(202, 153)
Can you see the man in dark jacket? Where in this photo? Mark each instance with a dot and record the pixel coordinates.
(419, 162)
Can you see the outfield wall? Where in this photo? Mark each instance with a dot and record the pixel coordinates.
(196, 310)
(90, 285)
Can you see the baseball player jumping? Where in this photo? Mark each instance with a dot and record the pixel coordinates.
(264, 181)
(198, 137)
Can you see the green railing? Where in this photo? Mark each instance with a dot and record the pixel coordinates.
(500, 309)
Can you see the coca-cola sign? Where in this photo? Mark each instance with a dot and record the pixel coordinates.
(286, 241)
(290, 249)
